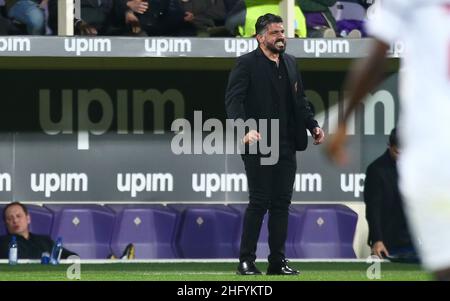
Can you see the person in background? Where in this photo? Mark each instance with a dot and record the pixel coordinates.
(389, 235)
(30, 245)
(28, 12)
(266, 84)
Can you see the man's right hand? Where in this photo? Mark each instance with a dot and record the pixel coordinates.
(131, 19)
(251, 137)
(85, 29)
(378, 248)
(138, 6)
(335, 148)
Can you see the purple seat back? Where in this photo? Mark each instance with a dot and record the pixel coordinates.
(207, 231)
(85, 229)
(345, 10)
(325, 231)
(151, 229)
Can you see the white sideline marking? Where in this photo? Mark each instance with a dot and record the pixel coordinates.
(184, 260)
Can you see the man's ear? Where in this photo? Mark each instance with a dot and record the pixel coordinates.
(260, 38)
(28, 219)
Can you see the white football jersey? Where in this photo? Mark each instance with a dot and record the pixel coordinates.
(424, 125)
(424, 28)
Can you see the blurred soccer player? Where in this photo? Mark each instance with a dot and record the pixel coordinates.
(424, 126)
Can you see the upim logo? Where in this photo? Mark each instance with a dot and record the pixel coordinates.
(5, 182)
(87, 126)
(308, 182)
(353, 183)
(213, 182)
(138, 182)
(319, 47)
(329, 110)
(240, 46)
(15, 44)
(161, 46)
(80, 45)
(52, 182)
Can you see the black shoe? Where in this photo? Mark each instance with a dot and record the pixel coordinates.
(281, 269)
(129, 252)
(247, 268)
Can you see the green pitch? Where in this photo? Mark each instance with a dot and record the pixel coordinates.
(210, 271)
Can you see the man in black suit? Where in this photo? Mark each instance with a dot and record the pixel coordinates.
(389, 235)
(265, 84)
(30, 246)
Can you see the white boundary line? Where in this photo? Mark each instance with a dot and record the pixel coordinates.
(101, 203)
(224, 260)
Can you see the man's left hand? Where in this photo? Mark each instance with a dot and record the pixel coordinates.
(318, 135)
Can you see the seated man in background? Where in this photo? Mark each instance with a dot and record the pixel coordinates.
(30, 246)
(28, 12)
(389, 236)
(155, 17)
(204, 18)
(242, 18)
(97, 17)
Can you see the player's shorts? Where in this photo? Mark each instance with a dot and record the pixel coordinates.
(425, 185)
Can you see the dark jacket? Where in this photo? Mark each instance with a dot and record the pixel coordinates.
(249, 96)
(229, 4)
(206, 13)
(164, 17)
(104, 17)
(384, 205)
(31, 248)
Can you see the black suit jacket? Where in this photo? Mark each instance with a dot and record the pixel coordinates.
(31, 248)
(100, 16)
(249, 95)
(384, 205)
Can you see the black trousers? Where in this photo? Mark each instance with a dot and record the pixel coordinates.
(270, 189)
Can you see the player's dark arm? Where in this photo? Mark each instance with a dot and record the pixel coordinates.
(365, 76)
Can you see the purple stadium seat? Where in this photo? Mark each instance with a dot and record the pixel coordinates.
(262, 249)
(348, 10)
(85, 229)
(151, 229)
(324, 231)
(207, 231)
(41, 220)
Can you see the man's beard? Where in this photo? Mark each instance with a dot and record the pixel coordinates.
(274, 49)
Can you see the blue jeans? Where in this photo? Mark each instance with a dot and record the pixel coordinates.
(29, 13)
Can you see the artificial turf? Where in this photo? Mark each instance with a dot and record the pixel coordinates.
(195, 271)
